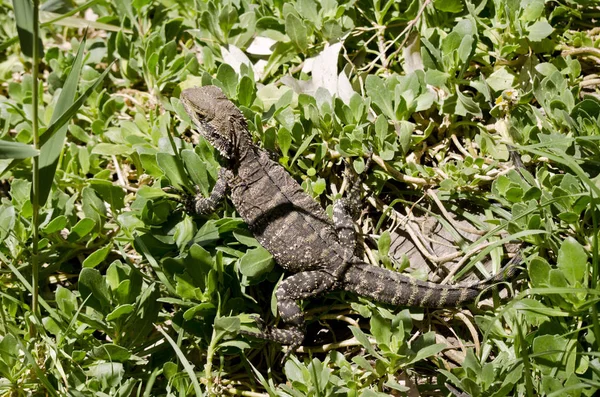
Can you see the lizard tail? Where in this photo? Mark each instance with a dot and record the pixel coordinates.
(397, 289)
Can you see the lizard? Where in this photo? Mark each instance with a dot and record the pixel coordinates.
(317, 252)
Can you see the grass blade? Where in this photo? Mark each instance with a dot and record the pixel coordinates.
(51, 149)
(70, 112)
(16, 150)
(186, 364)
(24, 18)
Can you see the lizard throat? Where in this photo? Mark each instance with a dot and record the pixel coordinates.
(214, 138)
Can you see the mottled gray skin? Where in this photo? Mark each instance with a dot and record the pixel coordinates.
(318, 252)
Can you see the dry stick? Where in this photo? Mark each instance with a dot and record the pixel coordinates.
(413, 225)
(409, 26)
(472, 330)
(460, 146)
(442, 209)
(456, 225)
(590, 82)
(246, 393)
(394, 173)
(379, 205)
(340, 317)
(465, 258)
(581, 51)
(406, 30)
(452, 353)
(459, 339)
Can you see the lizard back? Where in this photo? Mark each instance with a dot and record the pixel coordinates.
(282, 216)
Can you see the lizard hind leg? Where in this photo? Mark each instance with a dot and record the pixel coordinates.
(347, 209)
(298, 286)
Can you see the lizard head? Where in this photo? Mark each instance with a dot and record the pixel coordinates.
(214, 115)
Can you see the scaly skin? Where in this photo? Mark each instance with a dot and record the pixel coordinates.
(318, 252)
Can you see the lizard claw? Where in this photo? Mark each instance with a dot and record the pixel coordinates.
(260, 323)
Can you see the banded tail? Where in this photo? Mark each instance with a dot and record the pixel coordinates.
(394, 288)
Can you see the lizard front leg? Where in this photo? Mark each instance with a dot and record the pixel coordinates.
(205, 205)
(298, 286)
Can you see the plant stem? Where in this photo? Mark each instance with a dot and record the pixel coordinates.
(595, 264)
(36, 164)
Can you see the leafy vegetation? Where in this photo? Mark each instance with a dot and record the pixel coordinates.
(109, 289)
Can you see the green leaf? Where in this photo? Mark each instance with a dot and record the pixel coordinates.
(256, 262)
(533, 311)
(55, 225)
(65, 300)
(384, 242)
(109, 192)
(246, 91)
(184, 233)
(93, 206)
(549, 350)
(7, 220)
(532, 10)
(364, 341)
(97, 257)
(450, 45)
(228, 324)
(172, 168)
(572, 260)
(453, 6)
(428, 351)
(140, 323)
(110, 352)
(539, 30)
(501, 79)
(228, 79)
(539, 272)
(319, 186)
(70, 112)
(202, 308)
(298, 33)
(51, 326)
(121, 310)
(380, 95)
(466, 48)
(404, 129)
(436, 78)
(16, 150)
(303, 146)
(466, 105)
(81, 229)
(284, 139)
(185, 287)
(111, 149)
(92, 288)
(247, 240)
(109, 373)
(381, 329)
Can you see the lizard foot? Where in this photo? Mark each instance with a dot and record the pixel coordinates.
(291, 336)
(187, 200)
